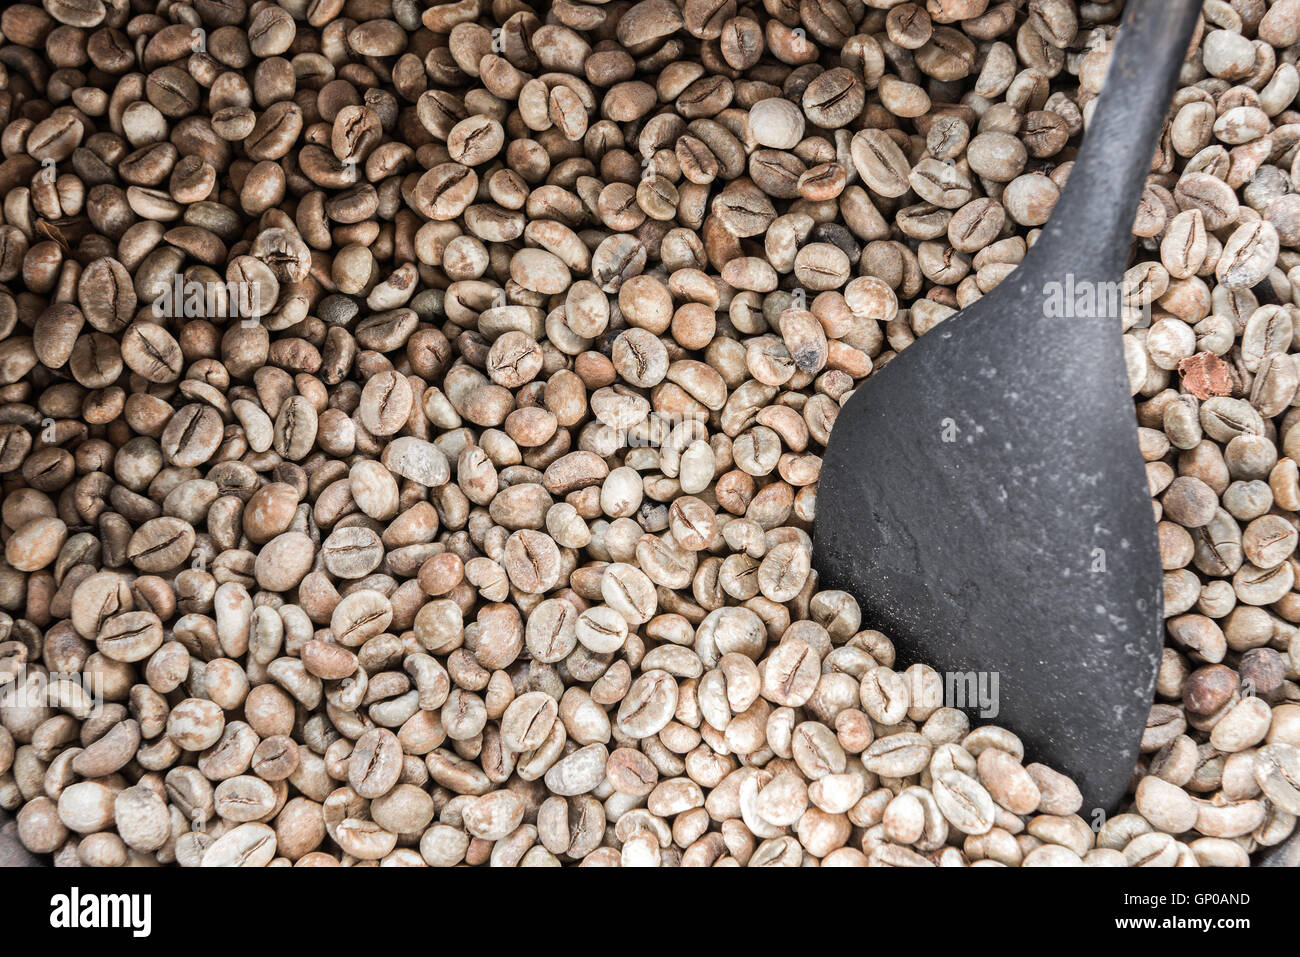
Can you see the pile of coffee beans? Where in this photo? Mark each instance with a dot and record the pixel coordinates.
(411, 418)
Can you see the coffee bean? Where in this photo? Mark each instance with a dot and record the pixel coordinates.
(192, 435)
(352, 552)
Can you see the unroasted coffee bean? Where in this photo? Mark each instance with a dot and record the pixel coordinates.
(160, 544)
(649, 704)
(375, 763)
(1277, 769)
(964, 802)
(386, 402)
(360, 616)
(192, 435)
(527, 722)
(296, 428)
(130, 636)
(352, 552)
(895, 755)
(246, 845)
(777, 123)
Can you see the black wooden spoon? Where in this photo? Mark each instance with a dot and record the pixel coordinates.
(983, 496)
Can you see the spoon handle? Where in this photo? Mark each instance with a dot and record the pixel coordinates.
(1095, 213)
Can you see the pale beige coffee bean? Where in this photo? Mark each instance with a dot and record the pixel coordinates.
(1008, 782)
(195, 724)
(375, 763)
(776, 122)
(1244, 725)
(131, 636)
(601, 629)
(386, 402)
(629, 591)
(579, 772)
(418, 460)
(964, 802)
(493, 816)
(246, 845)
(1052, 855)
(35, 544)
(374, 490)
(1277, 769)
(1151, 850)
(141, 818)
(1167, 806)
(86, 807)
(528, 720)
(284, 561)
(649, 705)
(897, 755)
